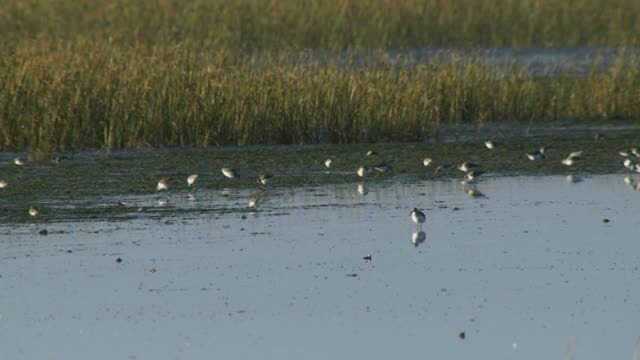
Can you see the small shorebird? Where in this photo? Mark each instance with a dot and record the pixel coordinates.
(163, 184)
(228, 172)
(361, 171)
(253, 202)
(371, 153)
(635, 152)
(327, 163)
(382, 168)
(467, 166)
(536, 155)
(3, 184)
(263, 179)
(418, 216)
(18, 161)
(418, 238)
(489, 144)
(568, 161)
(192, 179)
(624, 153)
(575, 155)
(33, 211)
(427, 161)
(628, 164)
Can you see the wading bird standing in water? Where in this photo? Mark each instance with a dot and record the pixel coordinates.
(418, 217)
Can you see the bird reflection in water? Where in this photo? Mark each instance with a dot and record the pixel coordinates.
(418, 237)
(362, 189)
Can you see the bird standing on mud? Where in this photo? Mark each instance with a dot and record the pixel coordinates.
(228, 172)
(536, 155)
(192, 179)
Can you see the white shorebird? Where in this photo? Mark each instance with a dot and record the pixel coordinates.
(33, 211)
(489, 144)
(253, 202)
(361, 171)
(575, 155)
(327, 163)
(568, 161)
(192, 179)
(382, 168)
(263, 179)
(228, 172)
(536, 155)
(3, 184)
(371, 153)
(418, 216)
(418, 238)
(467, 166)
(624, 153)
(18, 161)
(163, 184)
(628, 164)
(427, 161)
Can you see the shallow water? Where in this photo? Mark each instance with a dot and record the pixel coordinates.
(526, 273)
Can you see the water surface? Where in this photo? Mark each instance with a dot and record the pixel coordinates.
(525, 273)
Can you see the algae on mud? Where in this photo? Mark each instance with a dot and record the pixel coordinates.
(111, 175)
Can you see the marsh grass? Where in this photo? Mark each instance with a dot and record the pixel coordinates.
(330, 24)
(115, 74)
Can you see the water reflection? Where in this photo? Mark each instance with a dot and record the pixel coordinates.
(418, 237)
(362, 189)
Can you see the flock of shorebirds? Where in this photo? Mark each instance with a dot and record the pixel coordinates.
(470, 170)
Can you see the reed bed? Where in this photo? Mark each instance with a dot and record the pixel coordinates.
(329, 24)
(92, 95)
(114, 73)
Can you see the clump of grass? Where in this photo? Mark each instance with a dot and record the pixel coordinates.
(89, 94)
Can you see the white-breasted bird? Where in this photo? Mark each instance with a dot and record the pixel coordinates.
(467, 166)
(191, 179)
(427, 161)
(628, 164)
(418, 216)
(575, 155)
(18, 161)
(624, 153)
(568, 161)
(536, 155)
(163, 184)
(263, 179)
(489, 144)
(327, 163)
(371, 153)
(3, 184)
(228, 172)
(361, 171)
(33, 212)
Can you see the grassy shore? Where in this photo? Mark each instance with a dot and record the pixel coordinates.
(116, 74)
